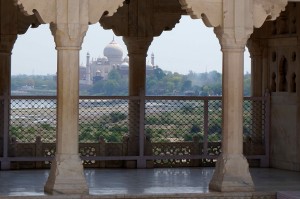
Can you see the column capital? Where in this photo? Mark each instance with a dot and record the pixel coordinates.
(138, 45)
(68, 36)
(229, 40)
(69, 19)
(255, 47)
(7, 43)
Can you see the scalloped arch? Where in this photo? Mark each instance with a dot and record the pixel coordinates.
(210, 11)
(47, 11)
(267, 10)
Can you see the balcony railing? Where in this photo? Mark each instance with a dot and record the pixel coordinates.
(169, 131)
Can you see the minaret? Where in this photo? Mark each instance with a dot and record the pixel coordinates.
(88, 69)
(152, 59)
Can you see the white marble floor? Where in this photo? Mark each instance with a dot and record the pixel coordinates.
(145, 181)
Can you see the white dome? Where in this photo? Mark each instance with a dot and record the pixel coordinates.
(113, 50)
(124, 65)
(104, 58)
(126, 59)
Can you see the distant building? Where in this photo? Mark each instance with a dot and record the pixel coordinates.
(98, 69)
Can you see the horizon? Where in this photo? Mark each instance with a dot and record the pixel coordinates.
(246, 73)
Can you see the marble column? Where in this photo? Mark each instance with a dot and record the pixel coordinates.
(256, 54)
(66, 175)
(6, 46)
(232, 170)
(256, 51)
(137, 51)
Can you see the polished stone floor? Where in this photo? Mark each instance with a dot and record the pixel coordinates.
(145, 181)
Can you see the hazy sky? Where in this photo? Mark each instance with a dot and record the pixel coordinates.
(190, 46)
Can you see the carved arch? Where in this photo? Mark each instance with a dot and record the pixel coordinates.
(212, 11)
(267, 10)
(50, 11)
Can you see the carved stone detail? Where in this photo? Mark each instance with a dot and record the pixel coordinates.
(136, 45)
(209, 11)
(70, 36)
(137, 19)
(267, 9)
(213, 12)
(78, 11)
(254, 47)
(228, 38)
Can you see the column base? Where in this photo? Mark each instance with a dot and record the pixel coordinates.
(66, 176)
(231, 174)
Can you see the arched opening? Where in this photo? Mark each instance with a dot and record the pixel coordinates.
(104, 64)
(283, 71)
(189, 62)
(192, 65)
(34, 71)
(33, 116)
(293, 84)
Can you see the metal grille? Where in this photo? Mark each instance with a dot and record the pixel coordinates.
(173, 120)
(103, 118)
(214, 130)
(179, 131)
(254, 126)
(33, 117)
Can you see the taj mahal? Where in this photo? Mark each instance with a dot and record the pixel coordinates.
(98, 68)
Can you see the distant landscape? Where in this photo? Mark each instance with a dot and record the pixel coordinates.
(163, 83)
(165, 121)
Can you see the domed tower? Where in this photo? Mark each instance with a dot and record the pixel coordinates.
(114, 53)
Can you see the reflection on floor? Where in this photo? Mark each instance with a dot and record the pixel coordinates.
(145, 181)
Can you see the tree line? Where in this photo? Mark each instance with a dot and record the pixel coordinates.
(158, 82)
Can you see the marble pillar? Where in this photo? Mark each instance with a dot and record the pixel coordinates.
(232, 169)
(256, 54)
(6, 46)
(66, 175)
(69, 20)
(137, 52)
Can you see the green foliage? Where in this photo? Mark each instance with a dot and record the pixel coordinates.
(188, 108)
(116, 84)
(117, 116)
(158, 82)
(195, 128)
(90, 132)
